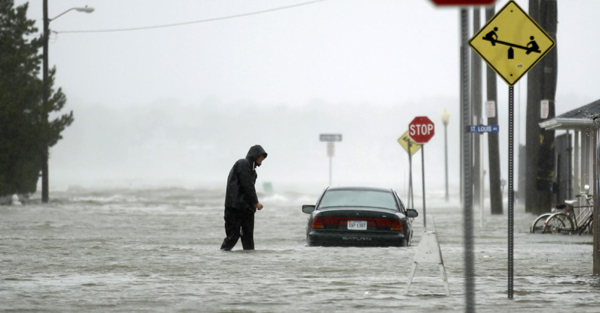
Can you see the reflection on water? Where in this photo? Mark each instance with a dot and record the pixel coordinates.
(158, 250)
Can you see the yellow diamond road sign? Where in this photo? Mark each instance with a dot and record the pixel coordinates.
(511, 43)
(403, 141)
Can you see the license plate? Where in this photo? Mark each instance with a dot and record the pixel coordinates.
(357, 225)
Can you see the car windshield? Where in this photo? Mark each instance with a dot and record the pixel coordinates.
(358, 198)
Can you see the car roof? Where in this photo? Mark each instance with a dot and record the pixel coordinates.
(364, 188)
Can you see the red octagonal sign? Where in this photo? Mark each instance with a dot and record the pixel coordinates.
(463, 2)
(421, 129)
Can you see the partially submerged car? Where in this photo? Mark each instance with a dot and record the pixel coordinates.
(359, 216)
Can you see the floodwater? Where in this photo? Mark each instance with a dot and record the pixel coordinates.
(157, 250)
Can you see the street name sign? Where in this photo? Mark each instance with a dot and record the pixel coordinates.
(484, 129)
(404, 140)
(421, 129)
(330, 137)
(511, 43)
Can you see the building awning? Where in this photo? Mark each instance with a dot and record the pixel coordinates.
(581, 117)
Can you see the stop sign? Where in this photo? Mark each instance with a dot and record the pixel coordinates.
(463, 2)
(421, 129)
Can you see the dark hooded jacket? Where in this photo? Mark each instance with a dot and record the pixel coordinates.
(241, 193)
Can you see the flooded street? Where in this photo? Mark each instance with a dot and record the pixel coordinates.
(158, 251)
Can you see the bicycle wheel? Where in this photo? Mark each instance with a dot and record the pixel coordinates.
(559, 223)
(538, 224)
(587, 226)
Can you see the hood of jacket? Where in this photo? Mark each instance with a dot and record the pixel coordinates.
(254, 152)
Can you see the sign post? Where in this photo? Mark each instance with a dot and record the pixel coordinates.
(330, 139)
(511, 43)
(421, 129)
(411, 148)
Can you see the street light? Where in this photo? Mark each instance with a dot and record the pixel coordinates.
(85, 9)
(445, 120)
(46, 94)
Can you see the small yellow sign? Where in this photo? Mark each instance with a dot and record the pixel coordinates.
(404, 140)
(511, 43)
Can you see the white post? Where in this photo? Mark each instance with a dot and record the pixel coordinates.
(576, 147)
(423, 172)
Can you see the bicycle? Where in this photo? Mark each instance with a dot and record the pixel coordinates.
(563, 219)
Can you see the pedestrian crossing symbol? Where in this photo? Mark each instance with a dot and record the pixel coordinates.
(511, 43)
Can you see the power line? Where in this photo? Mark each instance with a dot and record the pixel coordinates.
(192, 22)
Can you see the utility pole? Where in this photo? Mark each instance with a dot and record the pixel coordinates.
(546, 155)
(493, 138)
(532, 132)
(45, 95)
(541, 84)
(46, 107)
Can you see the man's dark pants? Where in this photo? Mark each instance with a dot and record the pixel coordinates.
(238, 223)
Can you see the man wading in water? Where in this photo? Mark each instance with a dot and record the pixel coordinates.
(241, 201)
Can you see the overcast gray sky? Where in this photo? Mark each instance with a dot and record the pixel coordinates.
(179, 105)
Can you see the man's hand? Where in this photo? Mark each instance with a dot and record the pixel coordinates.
(258, 206)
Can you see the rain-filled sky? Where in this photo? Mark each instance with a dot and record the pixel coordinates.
(179, 105)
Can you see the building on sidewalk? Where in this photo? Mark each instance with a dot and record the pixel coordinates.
(584, 122)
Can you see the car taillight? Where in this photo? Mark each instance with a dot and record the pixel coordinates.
(317, 222)
(397, 225)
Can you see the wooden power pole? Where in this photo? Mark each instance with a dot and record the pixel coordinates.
(493, 138)
(541, 85)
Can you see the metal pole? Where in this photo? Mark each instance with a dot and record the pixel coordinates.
(569, 169)
(411, 200)
(482, 176)
(595, 193)
(475, 102)
(423, 171)
(45, 89)
(330, 158)
(510, 190)
(467, 166)
(576, 145)
(446, 158)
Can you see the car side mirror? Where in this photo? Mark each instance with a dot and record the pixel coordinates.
(412, 213)
(308, 209)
